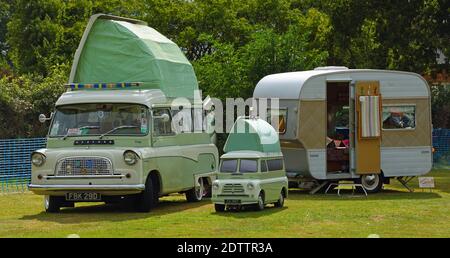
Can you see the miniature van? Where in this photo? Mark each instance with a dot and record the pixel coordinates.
(112, 134)
(252, 170)
(369, 126)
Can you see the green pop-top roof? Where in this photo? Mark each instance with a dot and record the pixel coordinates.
(252, 135)
(115, 49)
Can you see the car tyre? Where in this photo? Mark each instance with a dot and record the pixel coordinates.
(280, 202)
(196, 194)
(372, 183)
(52, 204)
(260, 205)
(146, 200)
(219, 207)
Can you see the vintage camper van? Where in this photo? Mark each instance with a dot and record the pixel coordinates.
(364, 125)
(112, 134)
(251, 171)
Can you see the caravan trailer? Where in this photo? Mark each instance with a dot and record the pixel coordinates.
(335, 123)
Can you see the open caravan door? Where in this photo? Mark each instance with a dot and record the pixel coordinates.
(368, 127)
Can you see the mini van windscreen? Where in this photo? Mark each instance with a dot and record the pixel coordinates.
(248, 166)
(99, 119)
(229, 165)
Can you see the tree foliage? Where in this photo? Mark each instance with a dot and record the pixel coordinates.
(231, 43)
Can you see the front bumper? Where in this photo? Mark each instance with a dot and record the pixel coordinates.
(102, 189)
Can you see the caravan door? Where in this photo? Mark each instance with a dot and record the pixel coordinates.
(367, 138)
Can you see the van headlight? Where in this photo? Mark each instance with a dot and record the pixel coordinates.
(38, 159)
(130, 157)
(215, 186)
(250, 186)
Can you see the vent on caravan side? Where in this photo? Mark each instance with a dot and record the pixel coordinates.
(324, 68)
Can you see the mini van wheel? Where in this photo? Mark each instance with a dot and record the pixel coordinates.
(280, 202)
(52, 204)
(260, 205)
(196, 193)
(219, 207)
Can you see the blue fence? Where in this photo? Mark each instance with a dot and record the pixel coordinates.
(15, 162)
(15, 155)
(441, 145)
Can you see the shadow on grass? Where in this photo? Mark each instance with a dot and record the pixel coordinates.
(113, 212)
(248, 212)
(346, 195)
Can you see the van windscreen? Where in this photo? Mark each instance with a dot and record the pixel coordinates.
(248, 166)
(228, 165)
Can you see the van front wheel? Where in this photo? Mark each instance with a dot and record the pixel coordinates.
(280, 202)
(219, 207)
(146, 200)
(260, 205)
(52, 204)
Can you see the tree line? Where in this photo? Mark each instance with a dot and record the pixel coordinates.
(231, 43)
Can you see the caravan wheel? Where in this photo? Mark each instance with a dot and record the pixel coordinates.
(373, 183)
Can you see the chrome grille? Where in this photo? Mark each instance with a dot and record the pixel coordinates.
(84, 166)
(232, 188)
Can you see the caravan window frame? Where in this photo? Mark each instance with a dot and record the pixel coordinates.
(399, 105)
(269, 118)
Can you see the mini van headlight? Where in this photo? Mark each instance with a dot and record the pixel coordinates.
(130, 157)
(38, 159)
(250, 186)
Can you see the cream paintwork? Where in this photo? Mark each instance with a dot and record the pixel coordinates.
(179, 160)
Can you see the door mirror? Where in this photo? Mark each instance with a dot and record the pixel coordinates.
(43, 118)
(164, 118)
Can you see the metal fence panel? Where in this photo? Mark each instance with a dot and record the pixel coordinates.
(441, 145)
(15, 162)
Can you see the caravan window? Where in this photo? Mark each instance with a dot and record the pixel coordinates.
(399, 117)
(278, 118)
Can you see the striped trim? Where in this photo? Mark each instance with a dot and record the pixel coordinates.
(118, 85)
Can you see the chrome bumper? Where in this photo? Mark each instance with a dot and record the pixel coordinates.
(139, 187)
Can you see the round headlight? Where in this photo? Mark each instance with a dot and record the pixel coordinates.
(250, 186)
(130, 157)
(215, 185)
(37, 159)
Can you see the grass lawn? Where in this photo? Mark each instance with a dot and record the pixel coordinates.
(392, 213)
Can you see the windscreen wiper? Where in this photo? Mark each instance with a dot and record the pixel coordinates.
(117, 128)
(81, 128)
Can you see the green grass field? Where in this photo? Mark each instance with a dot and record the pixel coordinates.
(392, 213)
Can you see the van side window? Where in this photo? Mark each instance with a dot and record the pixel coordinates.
(263, 166)
(275, 164)
(161, 127)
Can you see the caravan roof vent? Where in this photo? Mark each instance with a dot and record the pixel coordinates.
(325, 68)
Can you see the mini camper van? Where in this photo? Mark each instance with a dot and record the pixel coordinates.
(111, 136)
(251, 171)
(336, 124)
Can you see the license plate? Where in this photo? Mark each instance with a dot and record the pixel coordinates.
(83, 197)
(232, 201)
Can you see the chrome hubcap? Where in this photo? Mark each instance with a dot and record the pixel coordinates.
(370, 182)
(200, 190)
